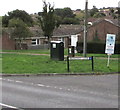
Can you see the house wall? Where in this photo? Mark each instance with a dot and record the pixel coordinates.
(44, 40)
(7, 43)
(99, 30)
(64, 39)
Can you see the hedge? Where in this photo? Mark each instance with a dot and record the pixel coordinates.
(96, 47)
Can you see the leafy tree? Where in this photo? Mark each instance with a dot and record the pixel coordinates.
(66, 16)
(19, 30)
(93, 11)
(70, 21)
(59, 12)
(48, 20)
(24, 16)
(65, 12)
(5, 21)
(0, 26)
(98, 15)
(111, 10)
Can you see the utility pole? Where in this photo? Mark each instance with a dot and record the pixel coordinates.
(85, 30)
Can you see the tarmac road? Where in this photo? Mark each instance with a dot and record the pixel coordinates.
(96, 91)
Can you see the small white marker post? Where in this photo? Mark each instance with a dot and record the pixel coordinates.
(108, 63)
(110, 44)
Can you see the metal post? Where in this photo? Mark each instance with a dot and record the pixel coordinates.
(85, 30)
(68, 64)
(92, 64)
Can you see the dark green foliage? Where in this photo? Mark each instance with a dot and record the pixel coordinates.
(18, 14)
(97, 47)
(70, 21)
(19, 30)
(5, 21)
(65, 12)
(93, 11)
(111, 10)
(99, 15)
(47, 20)
(66, 16)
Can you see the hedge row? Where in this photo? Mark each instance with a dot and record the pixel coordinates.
(94, 47)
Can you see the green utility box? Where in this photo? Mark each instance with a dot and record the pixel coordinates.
(57, 50)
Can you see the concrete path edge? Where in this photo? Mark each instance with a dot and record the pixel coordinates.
(57, 74)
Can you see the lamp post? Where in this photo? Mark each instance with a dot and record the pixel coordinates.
(85, 30)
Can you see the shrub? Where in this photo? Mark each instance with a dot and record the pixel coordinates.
(96, 47)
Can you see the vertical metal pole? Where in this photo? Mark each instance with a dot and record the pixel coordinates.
(68, 45)
(92, 64)
(68, 64)
(85, 30)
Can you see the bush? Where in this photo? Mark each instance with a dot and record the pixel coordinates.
(96, 47)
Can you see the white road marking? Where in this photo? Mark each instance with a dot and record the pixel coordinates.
(41, 85)
(4, 79)
(19, 81)
(68, 89)
(60, 88)
(75, 90)
(47, 86)
(9, 106)
(32, 83)
(10, 80)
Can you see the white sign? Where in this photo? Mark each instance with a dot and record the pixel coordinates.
(54, 45)
(79, 58)
(110, 44)
(74, 39)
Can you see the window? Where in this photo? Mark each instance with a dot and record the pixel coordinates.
(35, 42)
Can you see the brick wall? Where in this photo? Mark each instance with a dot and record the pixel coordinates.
(99, 30)
(7, 43)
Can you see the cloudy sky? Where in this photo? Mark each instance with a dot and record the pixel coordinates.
(34, 6)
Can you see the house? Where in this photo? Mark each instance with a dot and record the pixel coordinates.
(38, 41)
(63, 33)
(96, 32)
(99, 29)
(7, 43)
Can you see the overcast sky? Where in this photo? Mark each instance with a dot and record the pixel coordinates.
(35, 6)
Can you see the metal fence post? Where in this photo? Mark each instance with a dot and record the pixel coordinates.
(68, 64)
(92, 64)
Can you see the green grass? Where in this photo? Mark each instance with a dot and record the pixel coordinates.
(18, 64)
(65, 52)
(29, 51)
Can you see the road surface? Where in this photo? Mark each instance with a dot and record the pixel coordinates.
(96, 91)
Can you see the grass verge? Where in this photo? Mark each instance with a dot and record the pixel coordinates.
(29, 64)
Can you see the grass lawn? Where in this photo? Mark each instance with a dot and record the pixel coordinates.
(18, 64)
(65, 53)
(29, 51)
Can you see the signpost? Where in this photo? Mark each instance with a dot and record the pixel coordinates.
(79, 58)
(110, 45)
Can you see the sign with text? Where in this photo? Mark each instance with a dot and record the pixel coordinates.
(110, 44)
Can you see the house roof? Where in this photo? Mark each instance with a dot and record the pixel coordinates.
(62, 30)
(112, 21)
(67, 30)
